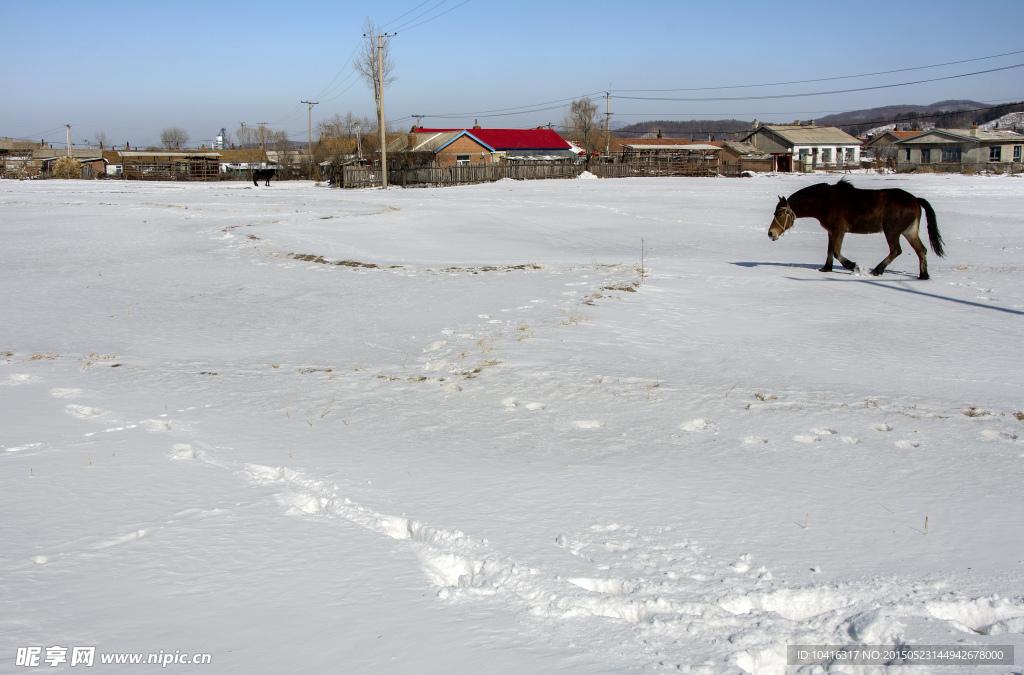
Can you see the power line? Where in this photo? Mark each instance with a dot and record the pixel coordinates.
(817, 93)
(418, 16)
(498, 112)
(828, 79)
(438, 16)
(406, 14)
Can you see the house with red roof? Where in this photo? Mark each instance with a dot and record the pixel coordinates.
(441, 148)
(517, 144)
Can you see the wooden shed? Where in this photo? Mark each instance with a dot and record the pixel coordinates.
(169, 165)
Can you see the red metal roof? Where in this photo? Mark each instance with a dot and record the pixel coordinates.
(514, 139)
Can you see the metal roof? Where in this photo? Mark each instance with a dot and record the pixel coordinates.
(162, 153)
(431, 142)
(961, 135)
(704, 147)
(513, 139)
(807, 135)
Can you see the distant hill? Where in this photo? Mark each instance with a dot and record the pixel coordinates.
(872, 116)
(952, 114)
(701, 130)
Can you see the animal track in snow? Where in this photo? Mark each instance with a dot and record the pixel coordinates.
(587, 424)
(804, 438)
(18, 378)
(881, 427)
(907, 445)
(998, 435)
(82, 411)
(755, 439)
(19, 448)
(667, 587)
(698, 424)
(66, 393)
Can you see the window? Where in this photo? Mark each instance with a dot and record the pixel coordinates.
(1016, 153)
(926, 155)
(826, 155)
(951, 155)
(908, 154)
(849, 154)
(461, 160)
(995, 153)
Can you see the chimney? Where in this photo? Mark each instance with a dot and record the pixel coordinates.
(974, 131)
(811, 123)
(476, 124)
(755, 125)
(659, 133)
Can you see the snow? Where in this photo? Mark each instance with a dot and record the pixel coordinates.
(463, 430)
(1009, 121)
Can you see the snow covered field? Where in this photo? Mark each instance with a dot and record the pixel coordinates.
(449, 431)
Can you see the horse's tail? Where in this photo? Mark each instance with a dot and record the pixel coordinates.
(933, 227)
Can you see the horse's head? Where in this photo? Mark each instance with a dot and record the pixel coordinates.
(783, 220)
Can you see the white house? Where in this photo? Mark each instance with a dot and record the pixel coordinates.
(804, 147)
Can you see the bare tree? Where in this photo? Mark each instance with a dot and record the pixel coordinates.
(246, 137)
(101, 138)
(173, 137)
(284, 153)
(581, 123)
(366, 62)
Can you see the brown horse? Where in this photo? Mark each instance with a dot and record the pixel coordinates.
(262, 174)
(842, 208)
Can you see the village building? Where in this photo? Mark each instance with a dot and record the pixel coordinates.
(169, 165)
(957, 150)
(690, 157)
(92, 162)
(805, 147)
(441, 149)
(16, 157)
(518, 144)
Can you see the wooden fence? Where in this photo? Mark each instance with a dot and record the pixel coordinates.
(355, 176)
(155, 167)
(365, 176)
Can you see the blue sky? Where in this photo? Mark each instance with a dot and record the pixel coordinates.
(130, 69)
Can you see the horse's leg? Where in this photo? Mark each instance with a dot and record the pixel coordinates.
(848, 264)
(893, 237)
(828, 260)
(915, 242)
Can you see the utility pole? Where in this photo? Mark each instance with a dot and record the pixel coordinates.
(309, 148)
(383, 135)
(607, 121)
(380, 108)
(418, 118)
(69, 139)
(241, 141)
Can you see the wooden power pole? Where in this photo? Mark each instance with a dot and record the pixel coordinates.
(315, 171)
(380, 112)
(607, 121)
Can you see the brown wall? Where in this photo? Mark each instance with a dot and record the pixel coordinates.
(463, 146)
